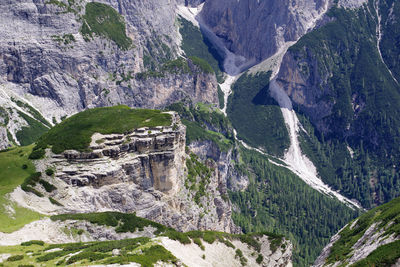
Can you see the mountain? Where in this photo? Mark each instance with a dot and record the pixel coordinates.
(275, 116)
(81, 55)
(132, 162)
(342, 78)
(126, 160)
(370, 240)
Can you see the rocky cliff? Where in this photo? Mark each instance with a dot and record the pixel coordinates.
(257, 29)
(143, 171)
(62, 57)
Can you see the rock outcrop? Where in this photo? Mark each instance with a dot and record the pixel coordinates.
(45, 59)
(229, 178)
(143, 171)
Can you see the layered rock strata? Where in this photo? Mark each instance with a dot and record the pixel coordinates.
(143, 171)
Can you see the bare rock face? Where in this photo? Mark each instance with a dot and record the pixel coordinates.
(4, 142)
(45, 60)
(302, 81)
(143, 171)
(257, 29)
(229, 178)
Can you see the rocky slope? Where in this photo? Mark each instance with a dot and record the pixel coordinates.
(257, 29)
(142, 171)
(190, 249)
(370, 240)
(51, 61)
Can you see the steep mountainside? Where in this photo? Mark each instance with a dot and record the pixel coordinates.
(142, 169)
(132, 161)
(61, 57)
(295, 144)
(342, 77)
(373, 239)
(257, 29)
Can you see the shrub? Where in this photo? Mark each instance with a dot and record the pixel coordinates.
(47, 186)
(37, 153)
(15, 258)
(33, 242)
(24, 166)
(55, 202)
(178, 236)
(31, 181)
(259, 259)
(198, 242)
(209, 237)
(49, 172)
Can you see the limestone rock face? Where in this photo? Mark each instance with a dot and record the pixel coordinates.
(229, 178)
(257, 29)
(304, 88)
(143, 171)
(60, 78)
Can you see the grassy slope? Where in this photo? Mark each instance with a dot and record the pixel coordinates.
(195, 45)
(140, 250)
(31, 133)
(103, 20)
(76, 131)
(383, 215)
(12, 175)
(256, 116)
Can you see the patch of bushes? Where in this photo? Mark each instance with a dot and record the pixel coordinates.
(259, 259)
(87, 255)
(49, 172)
(15, 258)
(55, 202)
(239, 254)
(198, 242)
(202, 64)
(36, 114)
(123, 222)
(31, 181)
(149, 257)
(178, 236)
(33, 242)
(47, 186)
(37, 153)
